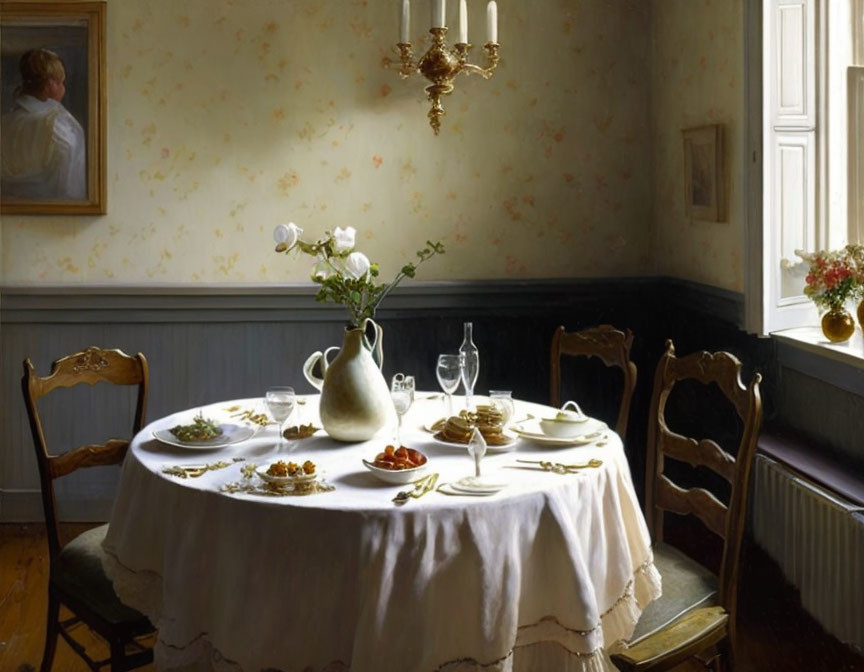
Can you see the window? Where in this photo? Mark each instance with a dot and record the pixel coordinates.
(812, 186)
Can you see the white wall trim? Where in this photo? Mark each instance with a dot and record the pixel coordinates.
(751, 168)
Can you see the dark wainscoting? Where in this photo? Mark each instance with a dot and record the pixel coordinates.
(206, 345)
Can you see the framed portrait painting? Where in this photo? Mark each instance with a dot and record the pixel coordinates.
(704, 184)
(52, 108)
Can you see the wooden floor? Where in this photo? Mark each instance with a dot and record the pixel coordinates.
(776, 634)
(23, 602)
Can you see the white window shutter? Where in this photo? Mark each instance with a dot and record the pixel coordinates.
(794, 57)
(790, 209)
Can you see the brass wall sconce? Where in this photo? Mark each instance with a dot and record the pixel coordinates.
(440, 64)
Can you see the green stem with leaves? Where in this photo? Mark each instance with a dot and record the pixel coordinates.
(360, 296)
(409, 271)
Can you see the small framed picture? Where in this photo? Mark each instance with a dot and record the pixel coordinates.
(52, 102)
(704, 187)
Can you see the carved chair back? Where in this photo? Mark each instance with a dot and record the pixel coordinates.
(608, 344)
(90, 366)
(662, 494)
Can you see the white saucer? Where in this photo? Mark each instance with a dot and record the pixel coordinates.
(448, 489)
(483, 485)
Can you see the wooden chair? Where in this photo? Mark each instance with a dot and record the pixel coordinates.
(77, 579)
(696, 614)
(606, 343)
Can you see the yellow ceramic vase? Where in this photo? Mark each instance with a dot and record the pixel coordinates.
(838, 325)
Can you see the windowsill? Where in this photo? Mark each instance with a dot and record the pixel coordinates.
(802, 456)
(812, 339)
(806, 349)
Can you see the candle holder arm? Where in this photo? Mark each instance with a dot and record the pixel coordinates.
(406, 65)
(492, 59)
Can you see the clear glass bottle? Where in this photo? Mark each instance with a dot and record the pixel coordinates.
(470, 363)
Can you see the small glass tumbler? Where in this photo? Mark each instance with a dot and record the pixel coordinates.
(503, 401)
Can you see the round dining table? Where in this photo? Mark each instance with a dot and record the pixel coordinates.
(549, 572)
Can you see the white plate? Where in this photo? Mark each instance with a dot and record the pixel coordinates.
(429, 425)
(285, 480)
(230, 435)
(531, 432)
(506, 448)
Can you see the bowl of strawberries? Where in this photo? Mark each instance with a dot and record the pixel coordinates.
(398, 465)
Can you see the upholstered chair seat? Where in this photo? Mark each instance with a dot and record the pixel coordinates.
(78, 572)
(687, 585)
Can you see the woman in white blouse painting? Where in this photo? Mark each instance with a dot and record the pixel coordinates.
(44, 152)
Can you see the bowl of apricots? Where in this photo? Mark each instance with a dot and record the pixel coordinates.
(398, 465)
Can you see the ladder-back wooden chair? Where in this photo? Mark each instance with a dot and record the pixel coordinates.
(696, 614)
(77, 579)
(608, 344)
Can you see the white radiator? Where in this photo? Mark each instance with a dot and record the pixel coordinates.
(818, 540)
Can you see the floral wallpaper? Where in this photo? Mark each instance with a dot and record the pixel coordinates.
(227, 117)
(697, 66)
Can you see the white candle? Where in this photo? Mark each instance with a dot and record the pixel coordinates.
(439, 13)
(463, 21)
(405, 23)
(492, 21)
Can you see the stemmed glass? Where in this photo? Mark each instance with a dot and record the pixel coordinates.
(449, 372)
(280, 402)
(402, 394)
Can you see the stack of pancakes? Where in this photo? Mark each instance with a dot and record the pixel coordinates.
(488, 419)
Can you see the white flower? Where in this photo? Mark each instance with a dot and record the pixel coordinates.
(343, 239)
(321, 271)
(356, 265)
(288, 234)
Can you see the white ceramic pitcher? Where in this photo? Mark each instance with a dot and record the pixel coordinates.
(355, 399)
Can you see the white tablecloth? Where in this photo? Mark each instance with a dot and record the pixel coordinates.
(542, 575)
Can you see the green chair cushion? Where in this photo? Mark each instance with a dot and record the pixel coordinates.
(686, 586)
(78, 573)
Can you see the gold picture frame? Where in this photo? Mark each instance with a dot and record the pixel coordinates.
(66, 176)
(704, 183)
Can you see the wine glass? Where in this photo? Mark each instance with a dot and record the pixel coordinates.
(280, 402)
(402, 394)
(449, 372)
